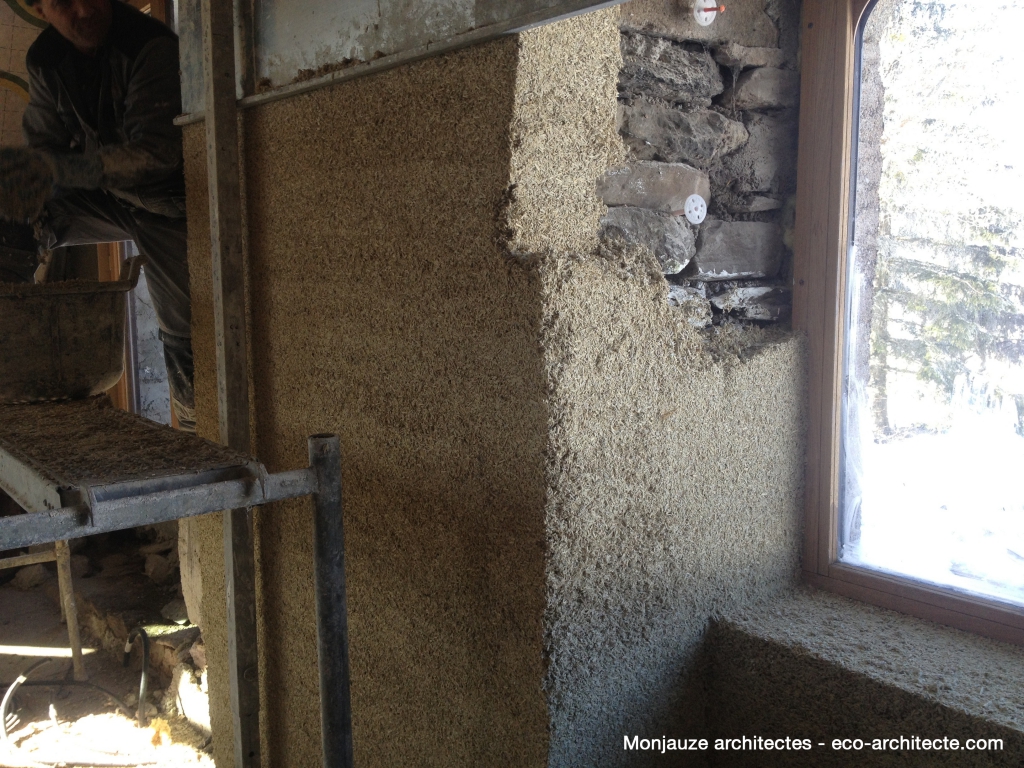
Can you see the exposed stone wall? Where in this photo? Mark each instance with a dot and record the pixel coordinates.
(717, 104)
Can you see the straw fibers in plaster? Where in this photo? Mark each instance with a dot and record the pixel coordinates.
(819, 666)
(90, 442)
(385, 308)
(551, 482)
(675, 486)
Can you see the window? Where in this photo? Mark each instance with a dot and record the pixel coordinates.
(909, 286)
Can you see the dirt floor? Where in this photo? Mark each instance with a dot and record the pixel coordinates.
(74, 725)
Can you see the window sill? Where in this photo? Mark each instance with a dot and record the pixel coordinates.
(980, 680)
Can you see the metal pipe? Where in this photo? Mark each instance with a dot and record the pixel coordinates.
(140, 713)
(331, 608)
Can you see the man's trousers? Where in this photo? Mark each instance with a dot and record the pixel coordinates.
(79, 217)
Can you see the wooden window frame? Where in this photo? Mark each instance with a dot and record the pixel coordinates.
(824, 172)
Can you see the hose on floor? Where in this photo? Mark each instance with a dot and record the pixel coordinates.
(144, 680)
(83, 683)
(4, 738)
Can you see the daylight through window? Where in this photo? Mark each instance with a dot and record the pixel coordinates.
(933, 396)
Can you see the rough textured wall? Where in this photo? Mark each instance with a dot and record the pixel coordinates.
(385, 311)
(205, 535)
(675, 488)
(562, 135)
(818, 666)
(526, 423)
(386, 307)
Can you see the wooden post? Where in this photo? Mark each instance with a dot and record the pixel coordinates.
(222, 164)
(68, 607)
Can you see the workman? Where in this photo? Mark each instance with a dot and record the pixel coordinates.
(104, 158)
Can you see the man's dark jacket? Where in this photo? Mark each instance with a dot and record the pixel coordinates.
(137, 144)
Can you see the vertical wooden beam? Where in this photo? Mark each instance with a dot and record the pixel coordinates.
(819, 254)
(108, 267)
(68, 607)
(226, 222)
(232, 366)
(245, 59)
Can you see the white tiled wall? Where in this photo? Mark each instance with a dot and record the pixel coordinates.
(16, 35)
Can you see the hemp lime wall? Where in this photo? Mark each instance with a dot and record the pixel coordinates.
(552, 481)
(383, 309)
(817, 666)
(674, 494)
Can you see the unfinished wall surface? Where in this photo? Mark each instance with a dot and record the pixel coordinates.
(675, 488)
(384, 310)
(817, 666)
(552, 481)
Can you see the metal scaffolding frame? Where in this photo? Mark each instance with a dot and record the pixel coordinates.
(87, 509)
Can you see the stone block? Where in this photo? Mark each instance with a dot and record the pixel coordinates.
(763, 88)
(655, 186)
(767, 162)
(745, 23)
(734, 250)
(30, 577)
(80, 566)
(159, 568)
(761, 302)
(753, 204)
(656, 132)
(175, 611)
(668, 237)
(737, 56)
(693, 304)
(661, 69)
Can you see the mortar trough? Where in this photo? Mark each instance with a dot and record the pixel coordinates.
(64, 340)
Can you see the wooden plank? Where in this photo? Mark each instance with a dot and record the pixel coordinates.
(19, 561)
(232, 365)
(243, 651)
(820, 246)
(933, 594)
(23, 480)
(123, 394)
(809, 265)
(226, 224)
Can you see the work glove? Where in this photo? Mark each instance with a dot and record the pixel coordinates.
(27, 178)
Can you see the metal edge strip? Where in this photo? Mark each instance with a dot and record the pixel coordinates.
(160, 505)
(27, 484)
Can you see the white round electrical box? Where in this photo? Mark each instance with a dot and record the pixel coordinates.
(704, 12)
(695, 208)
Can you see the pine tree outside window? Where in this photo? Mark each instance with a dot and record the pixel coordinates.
(909, 280)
